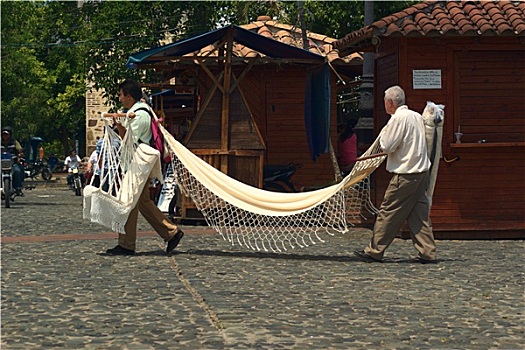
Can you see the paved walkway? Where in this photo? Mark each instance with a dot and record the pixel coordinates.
(59, 292)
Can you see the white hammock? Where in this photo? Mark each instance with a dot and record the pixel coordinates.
(125, 169)
(242, 214)
(263, 220)
(433, 117)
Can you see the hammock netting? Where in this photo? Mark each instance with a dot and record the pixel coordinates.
(243, 215)
(265, 220)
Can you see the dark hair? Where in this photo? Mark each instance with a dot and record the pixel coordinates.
(131, 87)
(349, 130)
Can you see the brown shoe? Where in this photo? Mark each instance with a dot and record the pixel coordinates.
(424, 261)
(361, 255)
(174, 241)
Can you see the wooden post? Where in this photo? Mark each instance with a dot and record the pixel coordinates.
(333, 157)
(226, 102)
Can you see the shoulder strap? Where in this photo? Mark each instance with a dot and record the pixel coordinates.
(152, 121)
(144, 109)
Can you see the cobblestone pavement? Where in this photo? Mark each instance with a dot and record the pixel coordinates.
(59, 292)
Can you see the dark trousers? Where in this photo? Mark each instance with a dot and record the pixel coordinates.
(18, 176)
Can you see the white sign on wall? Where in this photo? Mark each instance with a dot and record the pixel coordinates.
(426, 79)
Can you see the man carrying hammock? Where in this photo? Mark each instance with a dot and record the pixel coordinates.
(139, 124)
(403, 139)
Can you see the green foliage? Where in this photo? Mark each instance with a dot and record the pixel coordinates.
(332, 18)
(50, 49)
(37, 68)
(243, 12)
(55, 148)
(113, 33)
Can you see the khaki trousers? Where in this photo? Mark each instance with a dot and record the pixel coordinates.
(404, 200)
(160, 223)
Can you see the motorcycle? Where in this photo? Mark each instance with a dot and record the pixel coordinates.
(34, 169)
(278, 178)
(8, 192)
(76, 184)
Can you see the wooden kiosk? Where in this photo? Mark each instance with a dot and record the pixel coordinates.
(473, 56)
(248, 105)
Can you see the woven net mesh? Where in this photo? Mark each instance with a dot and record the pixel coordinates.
(282, 231)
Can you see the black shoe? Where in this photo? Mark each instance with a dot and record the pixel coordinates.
(118, 250)
(19, 193)
(424, 261)
(174, 241)
(361, 255)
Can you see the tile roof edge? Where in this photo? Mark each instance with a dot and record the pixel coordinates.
(360, 39)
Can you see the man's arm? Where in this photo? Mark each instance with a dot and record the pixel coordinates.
(121, 130)
(391, 135)
(19, 148)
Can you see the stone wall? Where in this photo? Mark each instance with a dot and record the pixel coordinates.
(94, 125)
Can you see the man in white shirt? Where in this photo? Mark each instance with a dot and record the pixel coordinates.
(139, 125)
(92, 169)
(403, 139)
(73, 161)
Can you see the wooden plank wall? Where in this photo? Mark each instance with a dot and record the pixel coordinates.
(207, 133)
(243, 132)
(387, 73)
(253, 87)
(245, 166)
(275, 97)
(485, 189)
(490, 95)
(483, 88)
(285, 131)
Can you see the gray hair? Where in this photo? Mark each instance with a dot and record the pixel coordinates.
(396, 94)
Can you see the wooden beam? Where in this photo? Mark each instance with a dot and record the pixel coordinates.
(225, 116)
(168, 86)
(235, 60)
(210, 74)
(333, 158)
(201, 111)
(250, 114)
(241, 77)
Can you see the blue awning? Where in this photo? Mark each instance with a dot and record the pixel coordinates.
(180, 48)
(317, 90)
(269, 47)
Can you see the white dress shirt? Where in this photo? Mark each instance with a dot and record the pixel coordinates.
(403, 139)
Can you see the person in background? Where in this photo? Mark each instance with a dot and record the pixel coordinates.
(139, 125)
(403, 139)
(53, 161)
(92, 170)
(72, 161)
(10, 145)
(347, 147)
